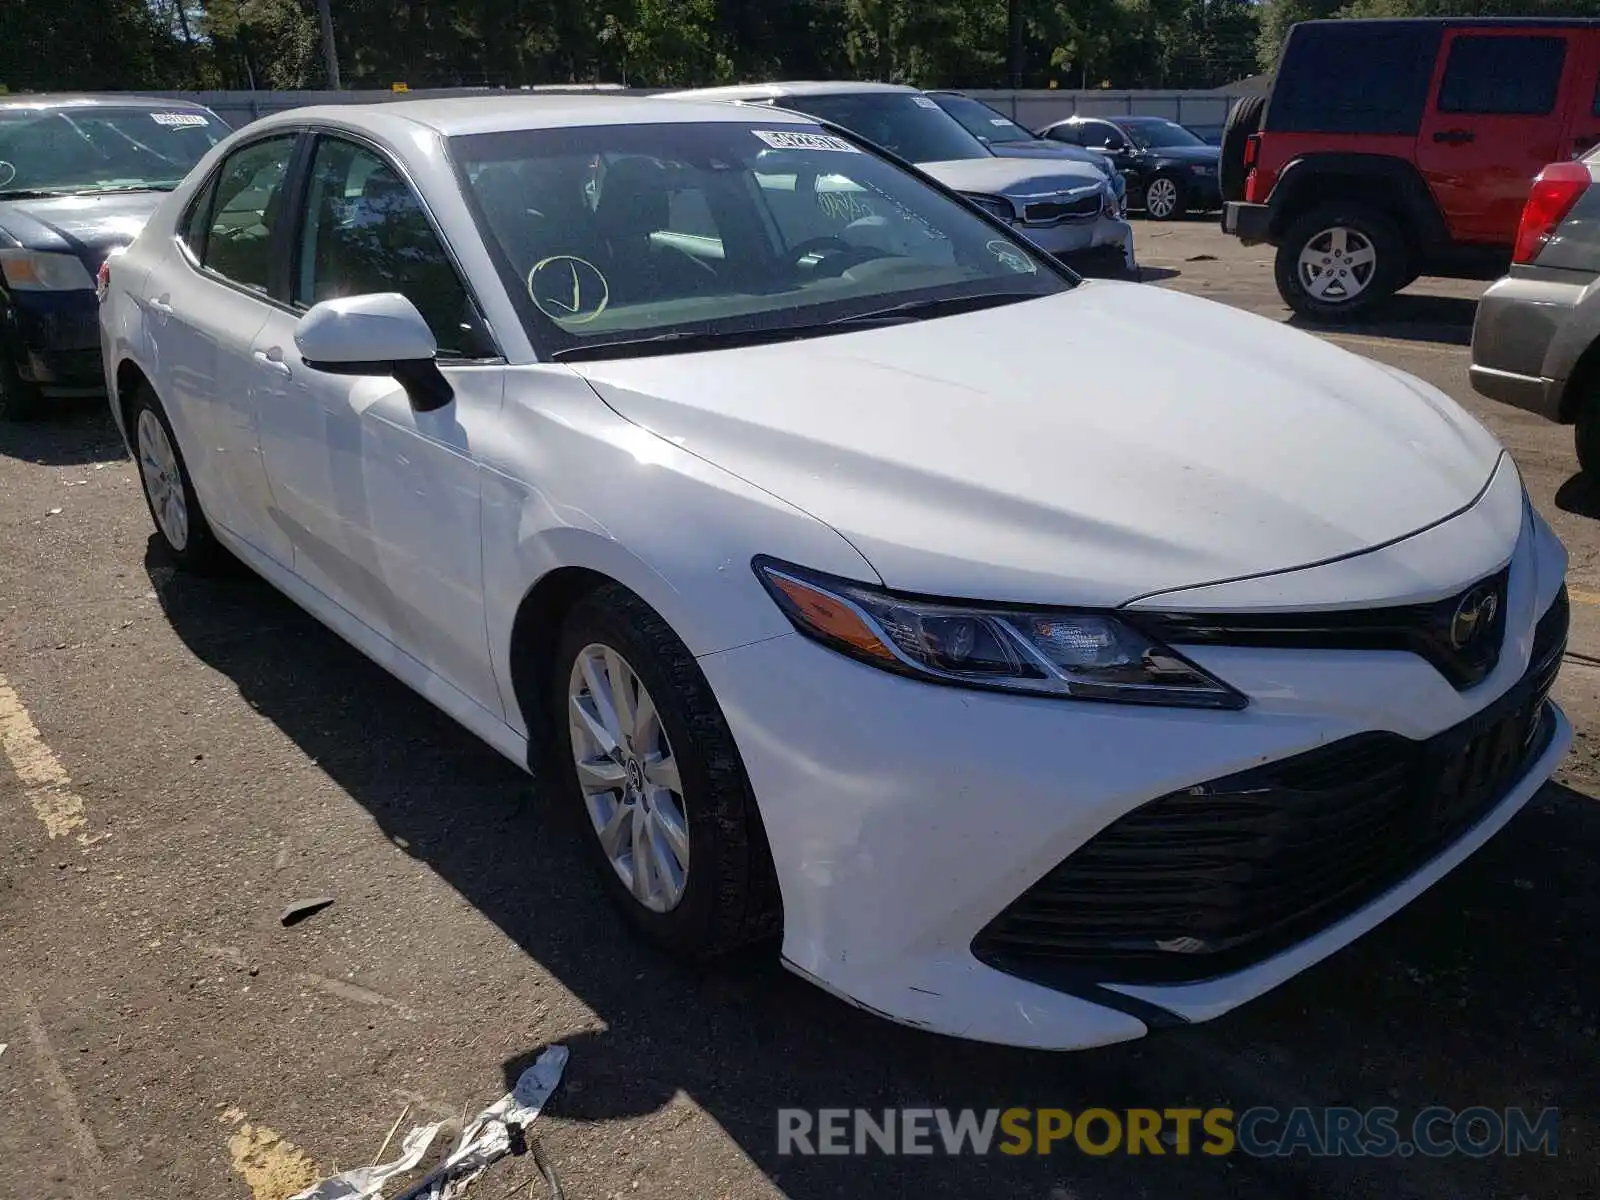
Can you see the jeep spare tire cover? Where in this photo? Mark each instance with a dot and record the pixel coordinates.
(1243, 120)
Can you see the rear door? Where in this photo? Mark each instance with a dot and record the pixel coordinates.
(1583, 129)
(1498, 112)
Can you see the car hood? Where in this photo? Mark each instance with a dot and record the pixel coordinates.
(1052, 473)
(1015, 178)
(1187, 154)
(1039, 148)
(88, 226)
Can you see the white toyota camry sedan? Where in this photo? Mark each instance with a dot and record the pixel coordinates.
(801, 520)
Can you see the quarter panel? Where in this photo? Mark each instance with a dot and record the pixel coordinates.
(568, 482)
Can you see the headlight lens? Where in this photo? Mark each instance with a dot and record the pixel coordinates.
(1072, 655)
(39, 271)
(995, 207)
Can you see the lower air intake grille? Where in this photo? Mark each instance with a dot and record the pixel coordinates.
(1211, 879)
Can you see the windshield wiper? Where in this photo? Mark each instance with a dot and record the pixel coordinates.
(687, 342)
(944, 306)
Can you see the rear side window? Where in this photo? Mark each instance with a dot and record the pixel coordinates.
(1507, 76)
(1354, 77)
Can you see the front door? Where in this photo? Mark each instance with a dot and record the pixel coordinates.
(382, 503)
(1497, 115)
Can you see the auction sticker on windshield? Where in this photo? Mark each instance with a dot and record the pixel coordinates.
(180, 120)
(784, 140)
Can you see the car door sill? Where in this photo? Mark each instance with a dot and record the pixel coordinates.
(449, 699)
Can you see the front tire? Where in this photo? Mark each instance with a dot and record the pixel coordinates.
(1339, 261)
(1164, 199)
(169, 491)
(649, 764)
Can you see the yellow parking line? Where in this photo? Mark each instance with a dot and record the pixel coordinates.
(45, 782)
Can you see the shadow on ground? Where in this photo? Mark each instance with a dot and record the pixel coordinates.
(1482, 993)
(1580, 496)
(1412, 317)
(78, 431)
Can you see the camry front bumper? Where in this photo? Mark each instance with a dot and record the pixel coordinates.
(904, 818)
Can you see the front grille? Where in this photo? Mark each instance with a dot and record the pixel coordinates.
(1216, 877)
(1464, 653)
(1046, 212)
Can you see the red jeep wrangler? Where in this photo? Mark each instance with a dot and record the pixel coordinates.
(1397, 148)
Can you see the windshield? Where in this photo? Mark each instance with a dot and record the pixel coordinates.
(903, 123)
(92, 148)
(615, 232)
(982, 121)
(1150, 134)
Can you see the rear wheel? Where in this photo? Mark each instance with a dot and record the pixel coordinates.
(1164, 199)
(650, 765)
(1338, 261)
(168, 490)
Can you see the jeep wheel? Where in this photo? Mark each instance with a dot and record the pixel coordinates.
(1337, 262)
(1164, 199)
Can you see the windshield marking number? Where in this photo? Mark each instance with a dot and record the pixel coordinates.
(786, 140)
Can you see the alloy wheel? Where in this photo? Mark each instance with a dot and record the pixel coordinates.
(1161, 198)
(163, 480)
(629, 777)
(1337, 264)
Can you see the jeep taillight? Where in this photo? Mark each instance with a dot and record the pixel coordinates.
(1252, 151)
(1555, 191)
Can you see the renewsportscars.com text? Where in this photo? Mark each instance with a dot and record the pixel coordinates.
(1434, 1132)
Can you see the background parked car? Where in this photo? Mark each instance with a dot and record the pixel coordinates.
(1536, 340)
(79, 175)
(1006, 138)
(1170, 170)
(1393, 149)
(1067, 209)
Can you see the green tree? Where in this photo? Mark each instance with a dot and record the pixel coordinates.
(57, 45)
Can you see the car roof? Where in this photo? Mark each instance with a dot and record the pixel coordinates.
(773, 91)
(510, 112)
(94, 100)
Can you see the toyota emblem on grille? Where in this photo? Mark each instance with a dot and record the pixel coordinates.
(1473, 615)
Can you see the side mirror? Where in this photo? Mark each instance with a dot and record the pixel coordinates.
(377, 334)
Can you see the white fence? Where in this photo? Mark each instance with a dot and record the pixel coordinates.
(1204, 112)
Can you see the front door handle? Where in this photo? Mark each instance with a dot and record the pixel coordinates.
(162, 304)
(1455, 137)
(272, 360)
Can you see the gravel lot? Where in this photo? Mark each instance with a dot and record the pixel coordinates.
(167, 1037)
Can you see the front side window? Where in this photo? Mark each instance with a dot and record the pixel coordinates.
(612, 232)
(982, 121)
(1154, 134)
(910, 126)
(245, 211)
(1504, 76)
(1099, 135)
(96, 149)
(365, 231)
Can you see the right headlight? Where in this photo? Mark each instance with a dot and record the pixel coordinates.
(44, 271)
(1067, 654)
(995, 206)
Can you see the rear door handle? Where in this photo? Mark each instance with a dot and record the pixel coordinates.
(162, 304)
(1455, 137)
(272, 360)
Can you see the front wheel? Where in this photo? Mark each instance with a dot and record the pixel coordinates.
(1339, 261)
(1164, 199)
(649, 764)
